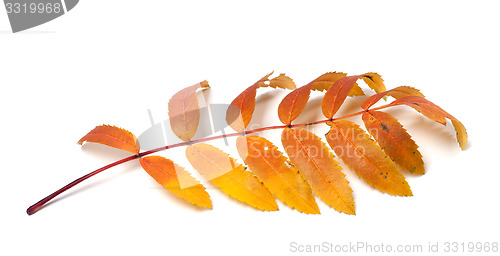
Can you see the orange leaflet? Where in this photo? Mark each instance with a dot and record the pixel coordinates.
(323, 82)
(338, 92)
(326, 80)
(434, 112)
(113, 137)
(230, 177)
(277, 174)
(317, 165)
(336, 95)
(281, 81)
(423, 106)
(362, 155)
(397, 93)
(374, 81)
(176, 180)
(294, 103)
(394, 140)
(184, 112)
(240, 111)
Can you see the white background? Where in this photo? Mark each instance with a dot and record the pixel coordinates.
(108, 62)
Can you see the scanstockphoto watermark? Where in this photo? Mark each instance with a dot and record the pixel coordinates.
(354, 247)
(382, 248)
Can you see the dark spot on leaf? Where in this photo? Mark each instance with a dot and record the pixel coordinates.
(385, 177)
(384, 127)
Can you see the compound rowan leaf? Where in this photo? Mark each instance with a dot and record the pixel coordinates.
(114, 137)
(317, 165)
(394, 140)
(240, 111)
(176, 180)
(434, 112)
(184, 112)
(361, 154)
(312, 166)
(397, 93)
(278, 175)
(294, 103)
(231, 177)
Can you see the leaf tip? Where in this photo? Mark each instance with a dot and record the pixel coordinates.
(204, 84)
(207, 204)
(405, 191)
(350, 211)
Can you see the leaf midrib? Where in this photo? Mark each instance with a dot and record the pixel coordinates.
(284, 180)
(116, 138)
(322, 174)
(396, 142)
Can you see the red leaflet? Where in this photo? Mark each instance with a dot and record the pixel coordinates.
(336, 95)
(295, 102)
(240, 111)
(434, 112)
(425, 107)
(397, 93)
(338, 92)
